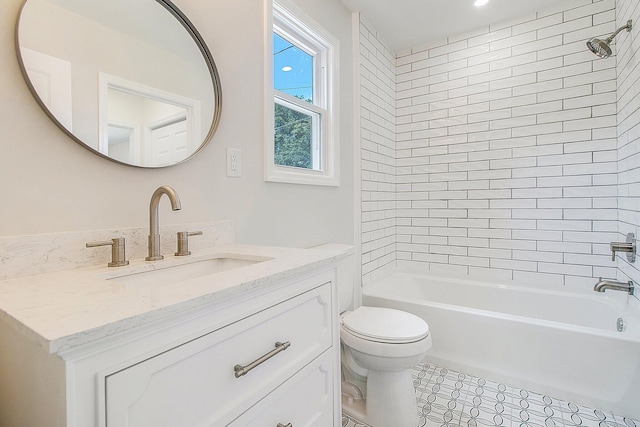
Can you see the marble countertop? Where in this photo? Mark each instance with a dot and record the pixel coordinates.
(63, 310)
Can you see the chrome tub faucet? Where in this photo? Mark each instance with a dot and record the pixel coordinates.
(604, 284)
(154, 222)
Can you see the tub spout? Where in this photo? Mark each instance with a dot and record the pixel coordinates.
(604, 284)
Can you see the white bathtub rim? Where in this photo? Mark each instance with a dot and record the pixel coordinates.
(537, 287)
(632, 335)
(625, 306)
(615, 299)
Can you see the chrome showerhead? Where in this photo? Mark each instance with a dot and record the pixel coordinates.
(603, 48)
(599, 47)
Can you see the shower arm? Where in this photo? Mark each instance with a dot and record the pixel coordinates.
(626, 27)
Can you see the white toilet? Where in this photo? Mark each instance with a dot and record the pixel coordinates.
(379, 348)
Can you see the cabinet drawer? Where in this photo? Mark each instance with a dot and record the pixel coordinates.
(306, 400)
(195, 384)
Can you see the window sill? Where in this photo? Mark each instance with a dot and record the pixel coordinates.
(291, 175)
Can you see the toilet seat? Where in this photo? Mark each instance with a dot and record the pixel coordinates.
(385, 325)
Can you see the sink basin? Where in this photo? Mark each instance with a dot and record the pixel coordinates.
(181, 272)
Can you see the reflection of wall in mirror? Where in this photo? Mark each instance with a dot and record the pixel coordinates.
(51, 78)
(92, 48)
(122, 142)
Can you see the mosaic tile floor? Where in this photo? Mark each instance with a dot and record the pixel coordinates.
(448, 399)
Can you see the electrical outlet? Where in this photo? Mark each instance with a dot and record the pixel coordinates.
(234, 162)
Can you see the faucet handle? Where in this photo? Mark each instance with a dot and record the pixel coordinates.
(183, 242)
(118, 258)
(628, 246)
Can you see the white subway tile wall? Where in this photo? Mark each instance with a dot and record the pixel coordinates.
(512, 152)
(628, 77)
(378, 164)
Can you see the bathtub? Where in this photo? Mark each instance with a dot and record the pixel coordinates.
(551, 341)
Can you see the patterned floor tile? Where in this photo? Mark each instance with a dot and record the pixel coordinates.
(447, 398)
(347, 421)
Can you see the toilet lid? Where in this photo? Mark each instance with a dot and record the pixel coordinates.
(385, 325)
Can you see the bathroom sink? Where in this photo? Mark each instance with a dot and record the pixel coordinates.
(181, 272)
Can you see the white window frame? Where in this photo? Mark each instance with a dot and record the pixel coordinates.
(290, 22)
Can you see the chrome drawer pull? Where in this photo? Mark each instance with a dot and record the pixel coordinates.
(282, 425)
(244, 370)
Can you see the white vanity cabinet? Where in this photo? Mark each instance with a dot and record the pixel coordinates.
(179, 369)
(195, 384)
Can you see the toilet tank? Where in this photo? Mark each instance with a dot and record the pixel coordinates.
(346, 275)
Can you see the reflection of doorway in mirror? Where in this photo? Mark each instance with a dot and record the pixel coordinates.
(169, 141)
(124, 142)
(51, 79)
(170, 122)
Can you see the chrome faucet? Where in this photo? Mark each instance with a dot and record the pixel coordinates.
(154, 223)
(604, 284)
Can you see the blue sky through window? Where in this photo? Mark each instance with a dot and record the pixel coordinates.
(292, 69)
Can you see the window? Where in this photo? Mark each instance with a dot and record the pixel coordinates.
(302, 141)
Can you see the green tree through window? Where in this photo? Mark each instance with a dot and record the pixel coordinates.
(292, 138)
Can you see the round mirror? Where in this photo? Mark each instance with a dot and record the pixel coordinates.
(132, 81)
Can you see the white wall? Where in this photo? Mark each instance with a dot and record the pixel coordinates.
(628, 74)
(51, 184)
(506, 155)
